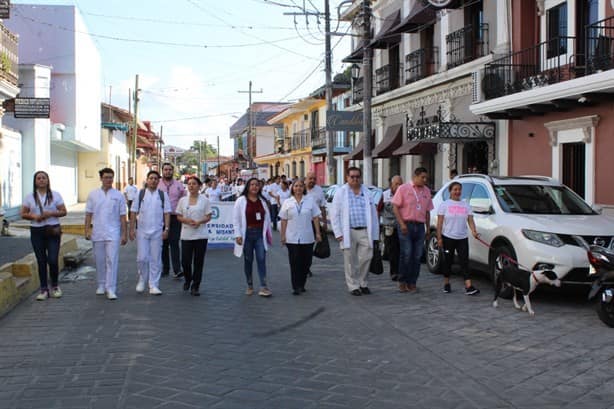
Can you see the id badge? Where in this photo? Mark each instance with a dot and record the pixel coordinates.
(258, 216)
(418, 207)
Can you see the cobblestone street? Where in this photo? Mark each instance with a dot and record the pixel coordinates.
(323, 349)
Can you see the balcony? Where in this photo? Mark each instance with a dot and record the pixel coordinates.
(301, 140)
(386, 79)
(8, 56)
(600, 46)
(421, 63)
(341, 141)
(467, 44)
(318, 138)
(357, 93)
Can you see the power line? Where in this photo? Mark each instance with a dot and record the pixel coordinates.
(194, 117)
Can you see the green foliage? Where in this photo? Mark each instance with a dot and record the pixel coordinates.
(5, 62)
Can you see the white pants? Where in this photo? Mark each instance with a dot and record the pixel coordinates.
(356, 259)
(106, 254)
(149, 257)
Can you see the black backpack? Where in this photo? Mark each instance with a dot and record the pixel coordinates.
(142, 196)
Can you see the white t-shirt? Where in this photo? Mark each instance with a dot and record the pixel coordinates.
(317, 194)
(30, 203)
(106, 209)
(300, 217)
(213, 194)
(283, 196)
(455, 218)
(151, 213)
(194, 212)
(132, 192)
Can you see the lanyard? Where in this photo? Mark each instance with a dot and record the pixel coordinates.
(299, 207)
(418, 205)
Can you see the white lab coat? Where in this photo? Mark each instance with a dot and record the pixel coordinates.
(340, 216)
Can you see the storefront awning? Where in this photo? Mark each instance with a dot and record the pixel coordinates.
(421, 15)
(356, 55)
(385, 36)
(416, 148)
(356, 154)
(393, 139)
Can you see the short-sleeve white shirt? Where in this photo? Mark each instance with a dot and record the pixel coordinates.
(300, 216)
(283, 196)
(106, 209)
(213, 194)
(317, 194)
(132, 192)
(30, 203)
(194, 212)
(151, 213)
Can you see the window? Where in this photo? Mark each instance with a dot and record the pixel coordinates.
(480, 198)
(557, 30)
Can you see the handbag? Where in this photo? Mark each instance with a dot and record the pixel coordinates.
(53, 230)
(322, 248)
(377, 266)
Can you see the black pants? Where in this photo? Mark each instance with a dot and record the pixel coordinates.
(299, 256)
(47, 250)
(274, 212)
(391, 243)
(461, 247)
(193, 258)
(172, 243)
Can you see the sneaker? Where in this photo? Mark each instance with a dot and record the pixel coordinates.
(178, 275)
(140, 286)
(265, 292)
(56, 292)
(447, 289)
(365, 290)
(43, 295)
(111, 295)
(249, 291)
(155, 291)
(471, 291)
(100, 291)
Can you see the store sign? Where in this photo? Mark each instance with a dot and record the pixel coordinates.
(32, 107)
(5, 9)
(344, 121)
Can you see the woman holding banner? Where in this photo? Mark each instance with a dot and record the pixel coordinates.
(193, 212)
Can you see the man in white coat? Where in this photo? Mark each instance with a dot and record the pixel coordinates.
(153, 208)
(105, 226)
(355, 225)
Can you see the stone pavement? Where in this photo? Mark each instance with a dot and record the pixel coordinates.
(323, 349)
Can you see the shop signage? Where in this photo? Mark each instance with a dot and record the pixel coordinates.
(5, 9)
(32, 107)
(344, 121)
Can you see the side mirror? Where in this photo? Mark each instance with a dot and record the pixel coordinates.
(482, 209)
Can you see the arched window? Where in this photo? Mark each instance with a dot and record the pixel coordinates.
(294, 169)
(302, 168)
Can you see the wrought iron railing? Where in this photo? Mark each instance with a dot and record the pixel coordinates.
(318, 138)
(546, 63)
(421, 63)
(386, 79)
(600, 46)
(466, 44)
(357, 93)
(340, 140)
(301, 139)
(8, 56)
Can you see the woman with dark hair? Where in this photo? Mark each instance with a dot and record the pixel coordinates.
(453, 217)
(300, 217)
(43, 207)
(193, 212)
(252, 223)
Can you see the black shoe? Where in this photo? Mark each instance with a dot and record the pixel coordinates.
(365, 290)
(178, 275)
(394, 277)
(296, 292)
(302, 289)
(356, 292)
(447, 289)
(186, 285)
(195, 292)
(471, 291)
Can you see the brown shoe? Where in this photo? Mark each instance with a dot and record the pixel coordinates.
(412, 288)
(403, 288)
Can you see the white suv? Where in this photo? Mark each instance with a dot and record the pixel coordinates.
(531, 219)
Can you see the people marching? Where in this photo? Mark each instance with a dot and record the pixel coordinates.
(163, 214)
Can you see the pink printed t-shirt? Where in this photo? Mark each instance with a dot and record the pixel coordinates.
(455, 214)
(413, 202)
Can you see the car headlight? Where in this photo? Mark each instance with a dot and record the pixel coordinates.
(550, 239)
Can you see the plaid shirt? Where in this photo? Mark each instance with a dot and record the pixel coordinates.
(358, 213)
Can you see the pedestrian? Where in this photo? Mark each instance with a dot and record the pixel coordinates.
(389, 223)
(105, 226)
(175, 191)
(44, 207)
(284, 193)
(213, 192)
(412, 205)
(153, 210)
(453, 173)
(355, 225)
(194, 212)
(453, 217)
(252, 223)
(273, 191)
(317, 194)
(300, 217)
(131, 192)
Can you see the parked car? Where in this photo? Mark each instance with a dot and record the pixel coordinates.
(329, 193)
(530, 219)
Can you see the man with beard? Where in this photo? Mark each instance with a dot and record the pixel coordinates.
(175, 191)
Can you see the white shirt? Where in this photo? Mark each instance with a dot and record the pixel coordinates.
(318, 195)
(213, 194)
(151, 213)
(30, 203)
(106, 209)
(239, 189)
(455, 214)
(194, 212)
(265, 192)
(283, 196)
(299, 229)
(274, 189)
(132, 192)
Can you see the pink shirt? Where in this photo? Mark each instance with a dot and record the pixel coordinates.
(413, 202)
(175, 191)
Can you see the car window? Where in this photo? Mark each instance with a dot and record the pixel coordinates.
(480, 197)
(540, 199)
(445, 193)
(467, 190)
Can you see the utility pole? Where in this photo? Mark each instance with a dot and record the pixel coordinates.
(160, 149)
(136, 125)
(367, 58)
(250, 125)
(218, 156)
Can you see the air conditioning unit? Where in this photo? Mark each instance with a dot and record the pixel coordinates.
(476, 89)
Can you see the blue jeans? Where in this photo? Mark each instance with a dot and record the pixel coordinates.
(254, 243)
(47, 250)
(412, 246)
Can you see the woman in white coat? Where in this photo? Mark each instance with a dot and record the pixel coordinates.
(252, 223)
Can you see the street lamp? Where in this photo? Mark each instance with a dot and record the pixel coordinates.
(354, 71)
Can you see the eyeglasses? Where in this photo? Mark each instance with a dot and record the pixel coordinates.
(354, 176)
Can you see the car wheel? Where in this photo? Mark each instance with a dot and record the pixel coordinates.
(433, 254)
(505, 251)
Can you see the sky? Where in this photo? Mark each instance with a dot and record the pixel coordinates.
(194, 56)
